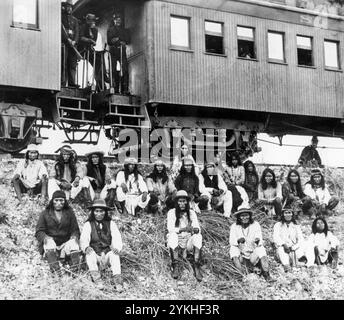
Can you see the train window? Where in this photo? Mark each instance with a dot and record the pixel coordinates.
(214, 37)
(331, 54)
(246, 45)
(25, 13)
(276, 46)
(180, 32)
(304, 51)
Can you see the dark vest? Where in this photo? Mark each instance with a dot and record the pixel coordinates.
(100, 238)
(211, 183)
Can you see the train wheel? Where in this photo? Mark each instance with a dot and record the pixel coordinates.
(16, 145)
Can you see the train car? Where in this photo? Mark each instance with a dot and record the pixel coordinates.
(241, 66)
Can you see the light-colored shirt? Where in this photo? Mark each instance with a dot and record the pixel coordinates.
(31, 172)
(289, 234)
(183, 221)
(116, 238)
(321, 195)
(324, 243)
(237, 175)
(163, 189)
(270, 193)
(134, 186)
(252, 232)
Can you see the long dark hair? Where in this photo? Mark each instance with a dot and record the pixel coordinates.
(127, 173)
(322, 181)
(236, 156)
(239, 222)
(205, 175)
(179, 212)
(263, 181)
(292, 219)
(50, 205)
(93, 218)
(298, 187)
(254, 172)
(314, 225)
(90, 165)
(27, 157)
(59, 166)
(155, 175)
(183, 174)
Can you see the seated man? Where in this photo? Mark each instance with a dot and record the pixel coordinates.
(184, 232)
(246, 242)
(100, 177)
(213, 190)
(188, 180)
(288, 239)
(132, 192)
(101, 241)
(161, 189)
(31, 175)
(322, 246)
(57, 232)
(318, 199)
(67, 174)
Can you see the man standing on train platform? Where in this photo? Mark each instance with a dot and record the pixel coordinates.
(31, 175)
(118, 37)
(70, 38)
(87, 42)
(309, 155)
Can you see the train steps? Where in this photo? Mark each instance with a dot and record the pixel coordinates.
(126, 111)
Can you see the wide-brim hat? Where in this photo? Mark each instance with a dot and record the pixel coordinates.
(182, 194)
(188, 160)
(32, 147)
(91, 17)
(210, 164)
(95, 150)
(99, 203)
(67, 3)
(130, 161)
(243, 210)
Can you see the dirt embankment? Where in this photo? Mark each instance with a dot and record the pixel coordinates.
(145, 260)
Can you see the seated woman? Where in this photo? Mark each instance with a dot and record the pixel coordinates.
(57, 232)
(246, 242)
(270, 193)
(319, 200)
(101, 241)
(213, 190)
(188, 180)
(321, 246)
(31, 175)
(234, 172)
(293, 195)
(132, 192)
(251, 180)
(288, 239)
(184, 232)
(100, 177)
(161, 189)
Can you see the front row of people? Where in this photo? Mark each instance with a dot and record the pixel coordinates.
(59, 237)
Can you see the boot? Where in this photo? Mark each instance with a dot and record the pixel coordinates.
(265, 269)
(17, 189)
(110, 198)
(334, 255)
(75, 261)
(53, 261)
(197, 265)
(118, 282)
(175, 267)
(267, 277)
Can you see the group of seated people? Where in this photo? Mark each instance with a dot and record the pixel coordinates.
(230, 189)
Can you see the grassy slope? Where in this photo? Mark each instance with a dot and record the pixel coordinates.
(145, 261)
